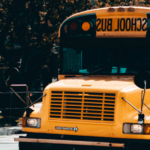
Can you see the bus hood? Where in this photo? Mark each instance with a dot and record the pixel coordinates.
(114, 83)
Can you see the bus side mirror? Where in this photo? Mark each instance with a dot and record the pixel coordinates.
(53, 65)
(140, 78)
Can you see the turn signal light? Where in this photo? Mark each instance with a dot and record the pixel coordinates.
(73, 26)
(147, 129)
(86, 26)
(23, 121)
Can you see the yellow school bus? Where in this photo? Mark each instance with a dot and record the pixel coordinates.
(102, 96)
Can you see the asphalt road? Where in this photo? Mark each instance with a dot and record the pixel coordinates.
(7, 142)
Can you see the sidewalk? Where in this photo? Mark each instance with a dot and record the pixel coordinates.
(10, 130)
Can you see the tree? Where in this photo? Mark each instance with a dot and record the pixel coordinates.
(34, 26)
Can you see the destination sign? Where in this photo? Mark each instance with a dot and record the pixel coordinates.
(114, 26)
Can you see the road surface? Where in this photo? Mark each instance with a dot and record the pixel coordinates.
(7, 142)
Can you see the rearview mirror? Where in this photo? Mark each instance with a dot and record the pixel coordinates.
(140, 78)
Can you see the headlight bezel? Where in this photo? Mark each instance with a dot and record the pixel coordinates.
(38, 126)
(129, 129)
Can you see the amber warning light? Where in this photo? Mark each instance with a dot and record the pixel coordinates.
(86, 26)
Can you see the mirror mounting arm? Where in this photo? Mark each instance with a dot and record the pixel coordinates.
(143, 96)
(140, 115)
(131, 105)
(146, 105)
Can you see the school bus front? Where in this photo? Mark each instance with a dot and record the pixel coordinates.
(97, 100)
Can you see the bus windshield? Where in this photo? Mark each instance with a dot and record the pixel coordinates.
(125, 61)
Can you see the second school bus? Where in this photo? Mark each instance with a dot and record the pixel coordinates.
(99, 99)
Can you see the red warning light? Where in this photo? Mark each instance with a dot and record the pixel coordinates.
(73, 26)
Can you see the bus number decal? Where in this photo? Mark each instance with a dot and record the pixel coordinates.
(123, 24)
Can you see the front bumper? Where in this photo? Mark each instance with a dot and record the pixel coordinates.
(70, 142)
(37, 138)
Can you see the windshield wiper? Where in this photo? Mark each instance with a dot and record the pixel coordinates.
(134, 72)
(96, 70)
(93, 71)
(108, 67)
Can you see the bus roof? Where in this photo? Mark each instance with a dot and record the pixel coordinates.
(123, 18)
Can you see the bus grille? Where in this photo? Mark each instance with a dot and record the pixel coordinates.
(82, 105)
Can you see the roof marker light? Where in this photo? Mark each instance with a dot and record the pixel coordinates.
(121, 9)
(131, 9)
(111, 9)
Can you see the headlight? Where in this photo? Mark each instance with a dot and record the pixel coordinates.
(134, 128)
(129, 128)
(137, 128)
(33, 122)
